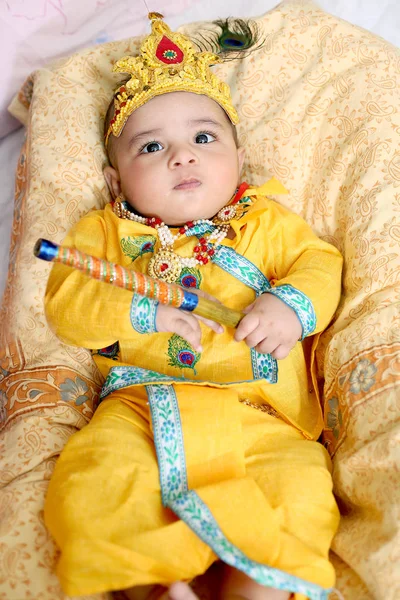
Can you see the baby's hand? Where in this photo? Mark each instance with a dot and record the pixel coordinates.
(184, 323)
(270, 326)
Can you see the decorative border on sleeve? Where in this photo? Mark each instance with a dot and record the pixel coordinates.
(143, 314)
(241, 268)
(301, 305)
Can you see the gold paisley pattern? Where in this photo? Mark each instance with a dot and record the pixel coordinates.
(319, 108)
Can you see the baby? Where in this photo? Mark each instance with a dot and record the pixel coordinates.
(203, 450)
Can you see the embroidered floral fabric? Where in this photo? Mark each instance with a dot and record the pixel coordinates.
(301, 305)
(143, 314)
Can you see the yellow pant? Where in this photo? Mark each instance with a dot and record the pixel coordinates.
(266, 488)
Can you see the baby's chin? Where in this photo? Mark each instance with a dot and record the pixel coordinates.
(187, 206)
(181, 216)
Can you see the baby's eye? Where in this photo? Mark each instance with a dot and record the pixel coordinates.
(151, 147)
(204, 138)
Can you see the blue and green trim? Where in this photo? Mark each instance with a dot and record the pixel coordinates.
(143, 314)
(264, 366)
(191, 509)
(301, 305)
(168, 439)
(121, 377)
(241, 268)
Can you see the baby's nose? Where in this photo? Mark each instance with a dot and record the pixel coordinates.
(183, 156)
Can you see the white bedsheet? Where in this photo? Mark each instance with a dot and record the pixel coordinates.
(381, 17)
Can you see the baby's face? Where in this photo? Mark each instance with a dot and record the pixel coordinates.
(176, 159)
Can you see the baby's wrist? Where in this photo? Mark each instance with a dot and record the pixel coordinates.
(300, 304)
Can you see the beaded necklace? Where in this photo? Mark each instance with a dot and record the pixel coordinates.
(166, 264)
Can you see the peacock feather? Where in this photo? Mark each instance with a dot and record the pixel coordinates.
(190, 277)
(137, 246)
(231, 38)
(181, 354)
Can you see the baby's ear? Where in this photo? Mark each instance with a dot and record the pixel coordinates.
(113, 180)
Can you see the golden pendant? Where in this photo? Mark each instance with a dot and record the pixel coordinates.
(230, 213)
(165, 265)
(226, 214)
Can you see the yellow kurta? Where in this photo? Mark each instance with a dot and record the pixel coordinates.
(260, 489)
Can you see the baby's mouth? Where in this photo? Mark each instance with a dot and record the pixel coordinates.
(188, 184)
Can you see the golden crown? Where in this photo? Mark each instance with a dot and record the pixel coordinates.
(168, 62)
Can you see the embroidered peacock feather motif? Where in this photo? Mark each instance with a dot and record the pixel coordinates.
(137, 246)
(190, 278)
(181, 354)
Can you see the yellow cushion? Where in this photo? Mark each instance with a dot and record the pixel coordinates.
(319, 109)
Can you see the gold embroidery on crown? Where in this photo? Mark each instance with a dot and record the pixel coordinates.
(179, 67)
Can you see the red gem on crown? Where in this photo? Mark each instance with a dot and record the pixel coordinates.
(168, 52)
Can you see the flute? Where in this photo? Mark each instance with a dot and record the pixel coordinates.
(166, 293)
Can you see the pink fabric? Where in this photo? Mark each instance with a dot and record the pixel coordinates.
(35, 32)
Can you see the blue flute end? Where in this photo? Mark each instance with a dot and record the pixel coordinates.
(45, 250)
(190, 301)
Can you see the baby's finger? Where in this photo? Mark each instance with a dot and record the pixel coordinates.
(181, 591)
(203, 294)
(281, 352)
(189, 329)
(212, 324)
(249, 308)
(255, 338)
(246, 326)
(268, 345)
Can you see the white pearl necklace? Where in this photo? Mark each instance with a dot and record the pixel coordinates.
(166, 264)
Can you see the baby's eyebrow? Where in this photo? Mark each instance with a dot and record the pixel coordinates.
(143, 134)
(153, 132)
(196, 122)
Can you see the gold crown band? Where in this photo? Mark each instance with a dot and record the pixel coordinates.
(168, 62)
